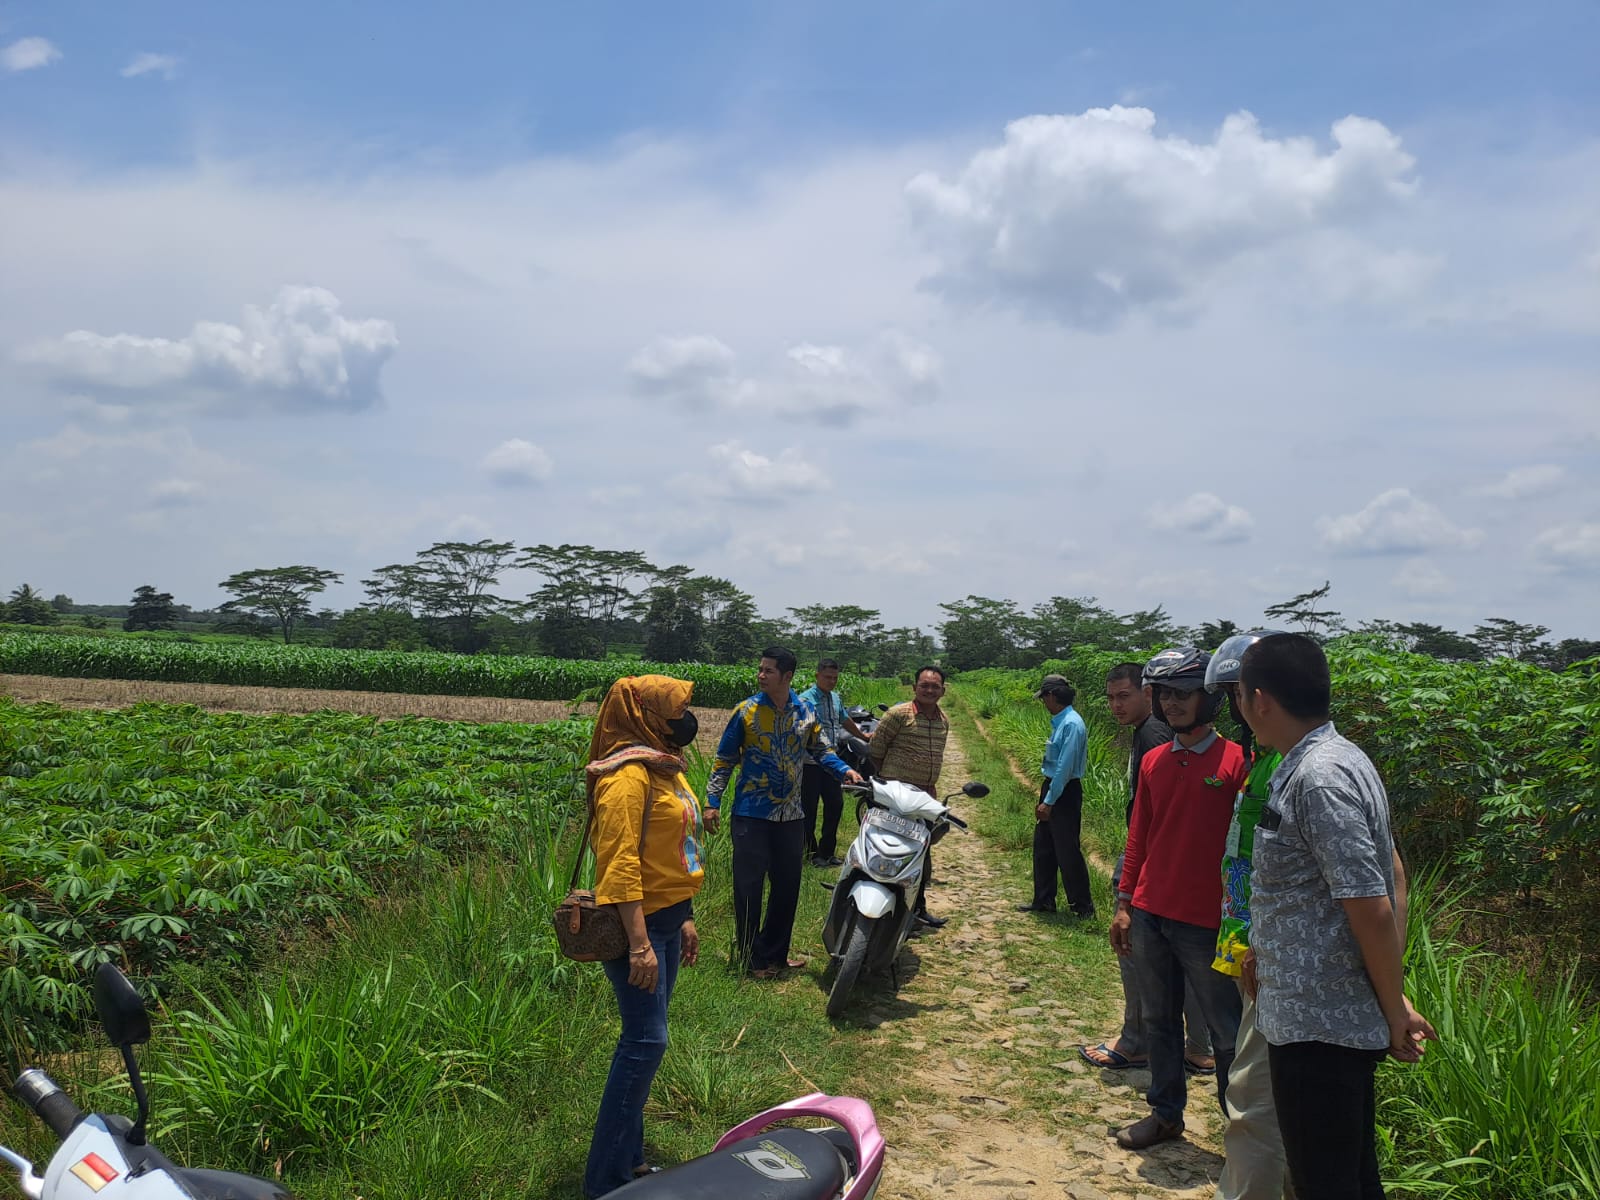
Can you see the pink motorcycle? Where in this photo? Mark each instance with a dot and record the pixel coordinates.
(763, 1160)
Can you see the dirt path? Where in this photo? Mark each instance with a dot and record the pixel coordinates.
(988, 1018)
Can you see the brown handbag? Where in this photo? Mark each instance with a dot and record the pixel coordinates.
(586, 931)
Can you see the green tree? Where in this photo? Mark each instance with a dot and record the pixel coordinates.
(981, 632)
(1568, 652)
(674, 629)
(61, 602)
(587, 591)
(1061, 623)
(1302, 610)
(1212, 634)
(27, 607)
(149, 609)
(282, 593)
(371, 628)
(1501, 637)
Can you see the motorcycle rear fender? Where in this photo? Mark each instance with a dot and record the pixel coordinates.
(871, 899)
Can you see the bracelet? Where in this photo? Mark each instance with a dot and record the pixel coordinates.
(641, 952)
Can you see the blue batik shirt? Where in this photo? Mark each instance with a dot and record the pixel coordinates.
(769, 747)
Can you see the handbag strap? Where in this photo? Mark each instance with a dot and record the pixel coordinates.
(583, 846)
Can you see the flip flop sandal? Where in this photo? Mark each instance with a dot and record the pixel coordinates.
(1116, 1060)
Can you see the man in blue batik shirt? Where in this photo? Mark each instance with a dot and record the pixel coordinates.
(1059, 815)
(767, 740)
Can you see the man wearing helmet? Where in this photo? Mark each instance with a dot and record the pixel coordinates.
(1170, 897)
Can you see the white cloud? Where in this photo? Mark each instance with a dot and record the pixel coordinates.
(300, 353)
(1206, 517)
(835, 385)
(517, 463)
(742, 472)
(1395, 522)
(27, 53)
(174, 493)
(697, 371)
(165, 65)
(1088, 217)
(1573, 547)
(1522, 482)
(1419, 578)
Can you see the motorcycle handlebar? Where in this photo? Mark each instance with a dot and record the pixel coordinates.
(48, 1102)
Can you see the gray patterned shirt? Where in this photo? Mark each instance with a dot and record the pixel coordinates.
(1329, 842)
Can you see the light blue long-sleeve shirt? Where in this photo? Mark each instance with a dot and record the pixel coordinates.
(1066, 754)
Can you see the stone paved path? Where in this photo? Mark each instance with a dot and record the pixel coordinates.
(993, 1037)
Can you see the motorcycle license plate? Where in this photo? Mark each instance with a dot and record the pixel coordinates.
(895, 823)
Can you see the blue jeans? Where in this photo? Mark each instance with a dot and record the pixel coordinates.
(618, 1143)
(1169, 958)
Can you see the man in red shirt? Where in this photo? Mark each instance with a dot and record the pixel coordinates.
(1169, 901)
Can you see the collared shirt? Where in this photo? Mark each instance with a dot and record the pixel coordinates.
(908, 745)
(769, 746)
(829, 707)
(1200, 747)
(1066, 754)
(1322, 839)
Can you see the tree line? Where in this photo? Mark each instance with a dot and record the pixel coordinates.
(592, 602)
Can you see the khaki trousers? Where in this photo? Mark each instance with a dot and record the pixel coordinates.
(1255, 1167)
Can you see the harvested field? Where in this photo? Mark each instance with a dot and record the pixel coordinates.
(120, 693)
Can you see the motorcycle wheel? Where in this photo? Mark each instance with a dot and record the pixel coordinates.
(851, 961)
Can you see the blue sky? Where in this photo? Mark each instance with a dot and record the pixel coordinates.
(329, 282)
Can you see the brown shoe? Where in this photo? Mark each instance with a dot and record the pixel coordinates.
(764, 973)
(1141, 1135)
(796, 963)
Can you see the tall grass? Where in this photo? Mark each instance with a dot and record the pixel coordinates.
(1507, 1103)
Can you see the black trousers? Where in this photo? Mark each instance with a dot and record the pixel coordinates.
(765, 850)
(816, 784)
(1328, 1116)
(1056, 849)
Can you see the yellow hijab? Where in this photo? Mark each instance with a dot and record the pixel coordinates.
(631, 725)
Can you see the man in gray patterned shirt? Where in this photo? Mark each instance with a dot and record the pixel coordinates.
(1327, 949)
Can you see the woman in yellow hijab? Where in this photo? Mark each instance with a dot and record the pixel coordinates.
(651, 872)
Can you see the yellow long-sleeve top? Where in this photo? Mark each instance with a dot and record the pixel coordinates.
(671, 868)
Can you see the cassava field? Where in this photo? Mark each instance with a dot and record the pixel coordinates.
(345, 918)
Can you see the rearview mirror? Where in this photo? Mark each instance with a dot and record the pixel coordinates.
(121, 1010)
(975, 789)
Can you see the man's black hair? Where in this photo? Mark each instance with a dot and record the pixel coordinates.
(1126, 673)
(783, 659)
(1293, 670)
(828, 664)
(1064, 692)
(939, 671)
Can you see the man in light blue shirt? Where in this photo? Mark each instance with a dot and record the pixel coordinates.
(1060, 812)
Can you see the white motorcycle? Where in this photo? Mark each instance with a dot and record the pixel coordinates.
(108, 1156)
(874, 900)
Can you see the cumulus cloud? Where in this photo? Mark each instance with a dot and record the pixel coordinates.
(174, 493)
(165, 65)
(749, 474)
(300, 353)
(1090, 216)
(517, 463)
(1573, 547)
(832, 384)
(1206, 517)
(1395, 522)
(1419, 578)
(25, 54)
(1522, 482)
(697, 371)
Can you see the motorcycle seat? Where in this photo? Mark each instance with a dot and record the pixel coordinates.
(780, 1164)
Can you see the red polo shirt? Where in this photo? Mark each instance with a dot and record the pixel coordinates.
(1179, 830)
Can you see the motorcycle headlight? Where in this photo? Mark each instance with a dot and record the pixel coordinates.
(888, 866)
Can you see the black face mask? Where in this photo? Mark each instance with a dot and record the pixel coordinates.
(684, 728)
